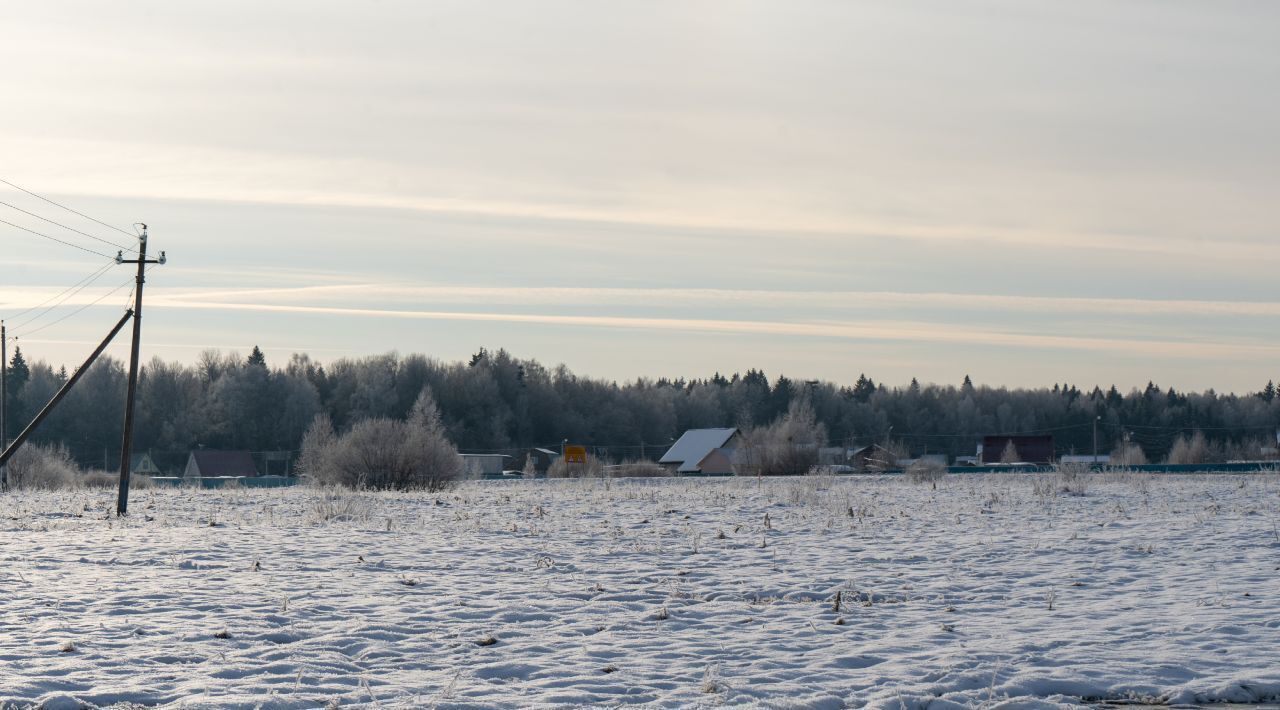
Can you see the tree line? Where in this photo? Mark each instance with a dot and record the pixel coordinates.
(495, 402)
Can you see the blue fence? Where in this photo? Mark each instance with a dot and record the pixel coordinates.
(227, 481)
(1250, 467)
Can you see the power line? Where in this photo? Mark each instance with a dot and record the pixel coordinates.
(85, 283)
(1042, 430)
(73, 229)
(55, 204)
(1192, 427)
(55, 239)
(90, 278)
(94, 302)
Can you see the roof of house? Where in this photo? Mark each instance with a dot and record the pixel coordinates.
(224, 463)
(136, 461)
(692, 447)
(548, 452)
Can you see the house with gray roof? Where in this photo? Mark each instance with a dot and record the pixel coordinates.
(707, 452)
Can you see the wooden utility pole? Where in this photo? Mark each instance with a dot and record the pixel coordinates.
(126, 446)
(1095, 439)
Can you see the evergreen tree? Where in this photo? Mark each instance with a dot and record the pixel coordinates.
(19, 372)
(256, 358)
(18, 376)
(864, 388)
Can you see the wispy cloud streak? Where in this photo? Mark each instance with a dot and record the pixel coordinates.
(850, 330)
(684, 296)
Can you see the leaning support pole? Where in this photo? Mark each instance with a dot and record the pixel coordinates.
(4, 402)
(20, 439)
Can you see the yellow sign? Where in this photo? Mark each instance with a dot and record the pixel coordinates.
(575, 454)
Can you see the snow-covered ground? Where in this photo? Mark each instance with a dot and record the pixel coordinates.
(985, 589)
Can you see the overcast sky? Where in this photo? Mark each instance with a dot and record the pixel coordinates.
(1025, 192)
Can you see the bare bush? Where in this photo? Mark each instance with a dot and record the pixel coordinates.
(383, 453)
(1249, 449)
(560, 468)
(637, 469)
(788, 447)
(1189, 451)
(41, 466)
(339, 504)
(110, 479)
(926, 471)
(1128, 454)
(1072, 478)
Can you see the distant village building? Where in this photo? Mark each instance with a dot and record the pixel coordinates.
(1037, 449)
(931, 459)
(480, 465)
(541, 458)
(208, 463)
(872, 458)
(707, 452)
(142, 464)
(833, 456)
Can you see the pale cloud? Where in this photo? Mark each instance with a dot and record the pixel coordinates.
(575, 296)
(869, 330)
(212, 175)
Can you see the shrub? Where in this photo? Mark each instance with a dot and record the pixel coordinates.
(924, 471)
(637, 469)
(383, 453)
(1128, 454)
(1189, 451)
(787, 447)
(1072, 478)
(43, 466)
(560, 468)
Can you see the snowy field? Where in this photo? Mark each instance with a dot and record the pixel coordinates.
(985, 590)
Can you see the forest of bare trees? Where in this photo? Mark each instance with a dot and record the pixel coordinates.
(496, 402)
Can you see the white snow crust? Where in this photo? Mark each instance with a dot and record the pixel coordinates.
(986, 591)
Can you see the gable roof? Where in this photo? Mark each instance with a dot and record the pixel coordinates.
(693, 447)
(223, 463)
(141, 463)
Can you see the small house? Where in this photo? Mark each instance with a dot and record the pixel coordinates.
(481, 465)
(833, 456)
(208, 463)
(692, 453)
(872, 458)
(1006, 448)
(142, 464)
